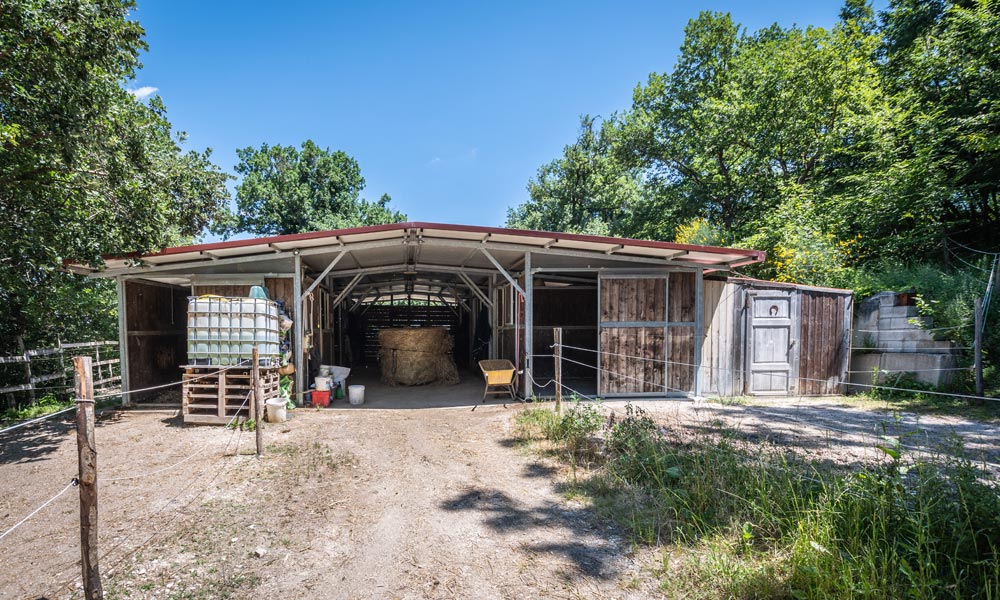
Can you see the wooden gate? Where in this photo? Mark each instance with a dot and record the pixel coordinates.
(646, 342)
(772, 341)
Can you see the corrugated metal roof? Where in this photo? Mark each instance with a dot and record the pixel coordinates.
(436, 243)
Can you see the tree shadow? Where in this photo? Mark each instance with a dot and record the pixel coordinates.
(591, 554)
(37, 441)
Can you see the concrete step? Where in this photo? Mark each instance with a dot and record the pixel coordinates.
(921, 346)
(932, 369)
(891, 323)
(889, 312)
(904, 335)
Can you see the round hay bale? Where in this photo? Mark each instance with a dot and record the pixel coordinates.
(417, 356)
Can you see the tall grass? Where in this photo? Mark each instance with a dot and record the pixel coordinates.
(737, 520)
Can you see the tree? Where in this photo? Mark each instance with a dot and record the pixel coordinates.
(587, 190)
(285, 190)
(86, 168)
(941, 63)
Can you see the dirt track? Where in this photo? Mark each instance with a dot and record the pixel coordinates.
(435, 503)
(364, 503)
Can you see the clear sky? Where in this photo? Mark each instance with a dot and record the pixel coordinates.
(448, 107)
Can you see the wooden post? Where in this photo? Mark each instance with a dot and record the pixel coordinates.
(86, 446)
(27, 368)
(557, 352)
(258, 401)
(978, 348)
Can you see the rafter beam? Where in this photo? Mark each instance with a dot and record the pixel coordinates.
(326, 271)
(502, 270)
(347, 290)
(475, 289)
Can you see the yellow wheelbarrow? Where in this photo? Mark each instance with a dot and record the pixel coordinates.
(499, 376)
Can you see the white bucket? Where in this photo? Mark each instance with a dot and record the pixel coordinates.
(356, 394)
(322, 384)
(324, 370)
(276, 412)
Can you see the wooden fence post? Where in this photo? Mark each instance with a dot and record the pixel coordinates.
(27, 368)
(258, 401)
(557, 356)
(977, 348)
(86, 446)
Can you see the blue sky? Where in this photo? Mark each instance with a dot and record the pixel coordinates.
(448, 107)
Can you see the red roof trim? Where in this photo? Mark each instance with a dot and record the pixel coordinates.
(753, 255)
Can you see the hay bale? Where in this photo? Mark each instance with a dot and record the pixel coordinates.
(417, 356)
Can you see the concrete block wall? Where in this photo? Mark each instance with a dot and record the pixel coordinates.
(889, 336)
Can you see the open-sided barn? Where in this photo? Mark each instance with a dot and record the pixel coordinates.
(638, 317)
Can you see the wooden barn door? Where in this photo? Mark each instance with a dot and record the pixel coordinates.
(646, 334)
(772, 342)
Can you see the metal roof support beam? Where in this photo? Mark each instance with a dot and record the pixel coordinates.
(423, 268)
(529, 326)
(475, 289)
(326, 271)
(347, 290)
(123, 363)
(503, 271)
(236, 260)
(297, 332)
(556, 251)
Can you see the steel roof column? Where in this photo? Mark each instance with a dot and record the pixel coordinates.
(529, 290)
(123, 341)
(699, 336)
(298, 353)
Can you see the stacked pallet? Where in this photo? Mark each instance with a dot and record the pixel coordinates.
(210, 396)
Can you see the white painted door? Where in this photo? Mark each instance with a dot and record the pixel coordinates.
(772, 342)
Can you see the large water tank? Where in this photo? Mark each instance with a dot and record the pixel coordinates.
(223, 331)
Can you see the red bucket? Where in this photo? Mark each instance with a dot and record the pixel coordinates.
(321, 398)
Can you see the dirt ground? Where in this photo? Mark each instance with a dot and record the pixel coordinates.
(376, 502)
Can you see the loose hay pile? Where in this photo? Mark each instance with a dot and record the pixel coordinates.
(417, 356)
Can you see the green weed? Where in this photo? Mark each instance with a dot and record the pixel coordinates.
(740, 521)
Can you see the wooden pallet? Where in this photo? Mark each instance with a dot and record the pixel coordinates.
(213, 397)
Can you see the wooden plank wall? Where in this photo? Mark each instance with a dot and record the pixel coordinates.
(681, 297)
(157, 335)
(632, 359)
(654, 359)
(719, 374)
(633, 299)
(825, 341)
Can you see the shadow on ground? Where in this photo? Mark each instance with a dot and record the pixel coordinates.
(592, 555)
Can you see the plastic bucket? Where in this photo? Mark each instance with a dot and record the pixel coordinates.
(276, 412)
(322, 383)
(356, 394)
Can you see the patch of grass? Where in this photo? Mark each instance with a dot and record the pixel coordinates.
(740, 521)
(43, 406)
(308, 461)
